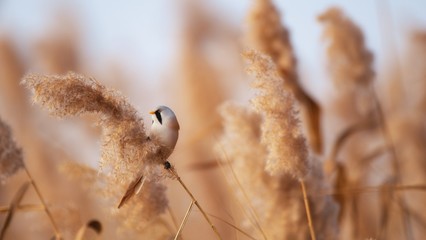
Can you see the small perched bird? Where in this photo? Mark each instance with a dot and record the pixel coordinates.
(165, 131)
(165, 127)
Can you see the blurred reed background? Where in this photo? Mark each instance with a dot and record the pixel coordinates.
(270, 99)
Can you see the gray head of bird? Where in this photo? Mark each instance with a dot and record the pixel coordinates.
(165, 127)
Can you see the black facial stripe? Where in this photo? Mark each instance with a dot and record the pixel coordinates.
(158, 115)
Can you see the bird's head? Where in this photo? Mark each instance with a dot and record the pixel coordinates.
(164, 117)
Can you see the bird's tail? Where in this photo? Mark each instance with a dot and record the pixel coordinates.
(134, 188)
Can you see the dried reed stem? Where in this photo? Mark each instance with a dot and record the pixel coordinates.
(252, 211)
(252, 214)
(233, 226)
(364, 125)
(386, 135)
(13, 206)
(355, 216)
(271, 37)
(374, 154)
(244, 192)
(384, 216)
(185, 219)
(26, 207)
(308, 211)
(46, 209)
(172, 216)
(396, 167)
(372, 189)
(417, 217)
(172, 171)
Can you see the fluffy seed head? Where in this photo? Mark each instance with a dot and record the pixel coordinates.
(268, 35)
(11, 157)
(281, 132)
(147, 205)
(125, 149)
(349, 61)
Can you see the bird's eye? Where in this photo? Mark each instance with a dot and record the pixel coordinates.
(158, 115)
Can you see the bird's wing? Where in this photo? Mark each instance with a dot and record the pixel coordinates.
(134, 187)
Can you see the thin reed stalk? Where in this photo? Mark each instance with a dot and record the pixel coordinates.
(395, 163)
(43, 202)
(172, 216)
(185, 219)
(308, 211)
(233, 226)
(386, 135)
(174, 173)
(13, 205)
(256, 217)
(251, 216)
(417, 217)
(355, 216)
(385, 202)
(372, 189)
(364, 125)
(25, 207)
(240, 186)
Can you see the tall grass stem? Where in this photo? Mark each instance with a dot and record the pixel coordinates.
(43, 202)
(308, 211)
(185, 219)
(195, 202)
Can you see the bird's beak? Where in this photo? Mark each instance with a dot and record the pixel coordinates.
(152, 112)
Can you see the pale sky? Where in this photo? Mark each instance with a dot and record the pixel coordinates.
(142, 34)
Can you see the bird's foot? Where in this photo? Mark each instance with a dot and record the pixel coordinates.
(167, 165)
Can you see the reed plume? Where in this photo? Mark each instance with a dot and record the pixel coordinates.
(11, 156)
(276, 200)
(281, 132)
(274, 163)
(126, 151)
(125, 148)
(349, 61)
(133, 218)
(269, 36)
(406, 125)
(350, 66)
